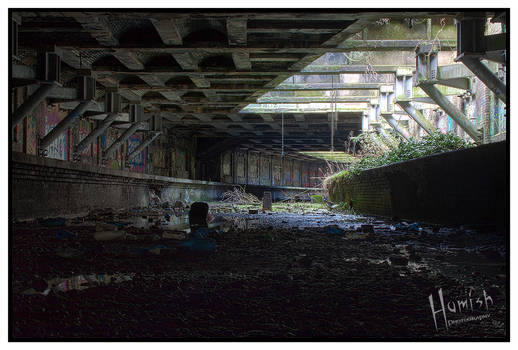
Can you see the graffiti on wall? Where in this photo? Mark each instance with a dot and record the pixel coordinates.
(276, 172)
(106, 139)
(138, 162)
(287, 172)
(84, 130)
(50, 117)
(253, 169)
(265, 170)
(296, 173)
(31, 134)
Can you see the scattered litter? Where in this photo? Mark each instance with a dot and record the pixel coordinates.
(156, 249)
(199, 245)
(174, 235)
(334, 230)
(54, 222)
(398, 260)
(80, 282)
(109, 235)
(62, 234)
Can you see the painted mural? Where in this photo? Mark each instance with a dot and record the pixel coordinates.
(31, 134)
(138, 162)
(84, 131)
(265, 170)
(50, 117)
(253, 168)
(287, 176)
(106, 139)
(276, 171)
(296, 173)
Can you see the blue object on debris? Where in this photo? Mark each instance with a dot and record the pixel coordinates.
(117, 223)
(334, 230)
(200, 233)
(414, 227)
(62, 234)
(54, 222)
(156, 249)
(199, 245)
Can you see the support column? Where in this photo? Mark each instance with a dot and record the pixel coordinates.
(63, 125)
(417, 116)
(142, 146)
(486, 76)
(95, 133)
(365, 121)
(452, 111)
(126, 135)
(32, 102)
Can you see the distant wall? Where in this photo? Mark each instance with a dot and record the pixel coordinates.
(466, 186)
(255, 168)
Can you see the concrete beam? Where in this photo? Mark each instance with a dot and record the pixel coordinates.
(143, 146)
(129, 59)
(168, 31)
(417, 116)
(95, 133)
(117, 143)
(242, 61)
(486, 76)
(452, 111)
(392, 45)
(237, 31)
(32, 102)
(63, 125)
(394, 124)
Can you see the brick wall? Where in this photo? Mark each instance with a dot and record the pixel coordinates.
(467, 186)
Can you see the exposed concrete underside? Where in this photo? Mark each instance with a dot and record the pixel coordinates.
(198, 70)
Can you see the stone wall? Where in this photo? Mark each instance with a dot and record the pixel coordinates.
(466, 186)
(44, 187)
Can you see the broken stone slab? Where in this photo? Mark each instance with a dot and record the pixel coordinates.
(109, 235)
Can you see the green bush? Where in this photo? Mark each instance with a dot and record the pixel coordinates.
(406, 150)
(316, 198)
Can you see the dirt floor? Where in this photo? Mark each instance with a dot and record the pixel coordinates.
(299, 272)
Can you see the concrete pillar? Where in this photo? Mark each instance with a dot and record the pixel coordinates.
(142, 146)
(486, 76)
(126, 135)
(32, 102)
(452, 111)
(63, 125)
(417, 116)
(365, 121)
(95, 133)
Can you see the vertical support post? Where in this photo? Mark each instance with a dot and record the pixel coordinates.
(365, 121)
(63, 125)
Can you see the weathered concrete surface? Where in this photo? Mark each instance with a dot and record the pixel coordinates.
(467, 186)
(43, 187)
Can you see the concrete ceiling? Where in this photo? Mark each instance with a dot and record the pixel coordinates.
(199, 69)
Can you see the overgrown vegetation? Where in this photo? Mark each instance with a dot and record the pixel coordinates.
(405, 150)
